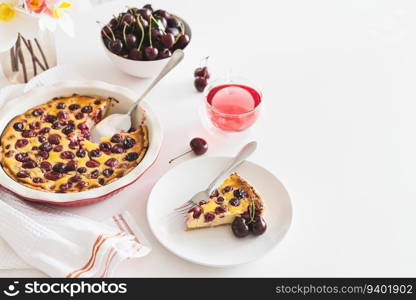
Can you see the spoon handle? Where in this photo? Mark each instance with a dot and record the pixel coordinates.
(244, 153)
(176, 58)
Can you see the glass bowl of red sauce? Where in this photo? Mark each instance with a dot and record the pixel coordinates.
(232, 104)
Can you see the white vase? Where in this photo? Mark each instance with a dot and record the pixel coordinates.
(27, 58)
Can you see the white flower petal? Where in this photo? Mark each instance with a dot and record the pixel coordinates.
(26, 25)
(47, 23)
(8, 35)
(65, 22)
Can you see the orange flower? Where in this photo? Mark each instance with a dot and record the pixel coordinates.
(36, 6)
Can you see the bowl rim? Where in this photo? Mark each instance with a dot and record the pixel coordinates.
(187, 27)
(99, 88)
(232, 80)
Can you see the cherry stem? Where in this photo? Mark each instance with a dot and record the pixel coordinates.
(150, 34)
(109, 28)
(142, 30)
(179, 156)
(157, 23)
(205, 59)
(124, 32)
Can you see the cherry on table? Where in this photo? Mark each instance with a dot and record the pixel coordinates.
(198, 146)
(200, 83)
(202, 72)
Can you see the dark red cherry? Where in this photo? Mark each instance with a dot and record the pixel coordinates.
(95, 153)
(18, 126)
(151, 53)
(68, 129)
(51, 118)
(173, 30)
(199, 146)
(46, 146)
(67, 155)
(58, 148)
(144, 12)
(115, 46)
(62, 115)
(28, 133)
(235, 202)
(22, 157)
(149, 7)
(132, 156)
(92, 164)
(60, 105)
(220, 209)
(30, 164)
(105, 147)
(22, 174)
(239, 193)
(168, 40)
(128, 18)
(197, 211)
(117, 148)
(82, 170)
(117, 138)
(183, 41)
(202, 72)
(59, 168)
(75, 178)
(37, 180)
(131, 41)
(209, 217)
(52, 175)
(54, 139)
(128, 142)
(108, 172)
(259, 226)
(44, 130)
(71, 166)
(111, 162)
(162, 13)
(136, 54)
(21, 143)
(240, 227)
(37, 112)
(46, 166)
(173, 22)
(86, 109)
(43, 154)
(165, 53)
(200, 83)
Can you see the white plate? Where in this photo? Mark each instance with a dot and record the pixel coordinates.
(216, 246)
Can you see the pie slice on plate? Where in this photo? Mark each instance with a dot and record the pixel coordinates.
(234, 198)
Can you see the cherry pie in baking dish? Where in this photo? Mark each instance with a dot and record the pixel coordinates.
(48, 147)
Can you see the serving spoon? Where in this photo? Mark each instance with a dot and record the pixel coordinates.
(115, 123)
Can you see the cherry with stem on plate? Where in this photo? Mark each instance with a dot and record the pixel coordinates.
(198, 146)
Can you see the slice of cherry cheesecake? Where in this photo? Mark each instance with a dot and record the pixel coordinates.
(235, 197)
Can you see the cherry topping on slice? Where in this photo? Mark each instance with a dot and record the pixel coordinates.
(108, 172)
(71, 166)
(197, 211)
(86, 109)
(198, 145)
(58, 148)
(43, 154)
(117, 138)
(62, 115)
(52, 175)
(111, 162)
(37, 180)
(46, 146)
(117, 148)
(59, 168)
(220, 200)
(51, 118)
(22, 174)
(95, 153)
(105, 147)
(235, 202)
(21, 143)
(132, 156)
(227, 189)
(60, 105)
(22, 157)
(82, 170)
(18, 126)
(239, 193)
(92, 164)
(75, 178)
(37, 112)
(30, 164)
(209, 217)
(44, 130)
(46, 166)
(220, 209)
(74, 107)
(54, 139)
(67, 155)
(28, 133)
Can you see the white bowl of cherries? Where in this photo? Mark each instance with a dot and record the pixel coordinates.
(140, 40)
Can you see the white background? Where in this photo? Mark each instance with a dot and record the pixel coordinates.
(338, 126)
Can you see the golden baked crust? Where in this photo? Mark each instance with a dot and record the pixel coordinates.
(48, 147)
(223, 205)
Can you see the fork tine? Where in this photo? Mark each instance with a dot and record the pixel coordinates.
(184, 210)
(188, 204)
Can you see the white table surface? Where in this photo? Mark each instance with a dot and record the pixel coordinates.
(337, 128)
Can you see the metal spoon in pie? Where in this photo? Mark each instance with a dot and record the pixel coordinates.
(115, 123)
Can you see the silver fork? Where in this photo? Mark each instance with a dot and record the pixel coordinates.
(244, 153)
